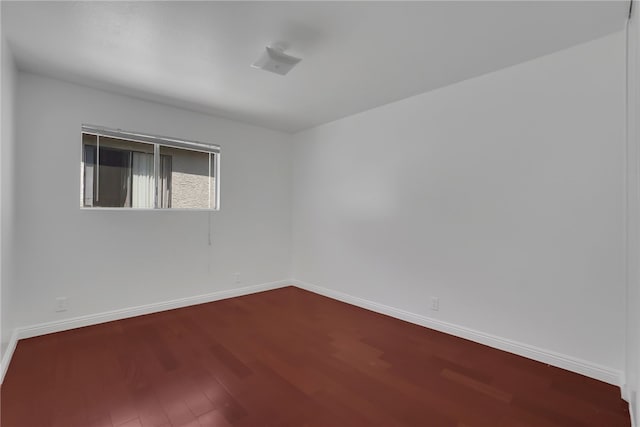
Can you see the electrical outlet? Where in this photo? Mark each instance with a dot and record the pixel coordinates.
(236, 278)
(62, 304)
(435, 303)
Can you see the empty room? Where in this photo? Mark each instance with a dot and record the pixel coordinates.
(320, 213)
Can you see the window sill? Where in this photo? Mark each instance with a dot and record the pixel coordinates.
(82, 208)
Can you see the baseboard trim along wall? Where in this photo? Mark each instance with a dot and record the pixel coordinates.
(108, 316)
(630, 396)
(8, 353)
(569, 363)
(589, 369)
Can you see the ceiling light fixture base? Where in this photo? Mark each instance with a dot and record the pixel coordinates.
(274, 59)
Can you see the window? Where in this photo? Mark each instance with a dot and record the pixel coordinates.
(129, 170)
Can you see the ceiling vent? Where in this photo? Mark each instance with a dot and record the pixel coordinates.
(275, 60)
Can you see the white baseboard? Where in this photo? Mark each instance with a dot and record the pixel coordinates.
(8, 354)
(583, 367)
(624, 390)
(108, 316)
(634, 405)
(589, 369)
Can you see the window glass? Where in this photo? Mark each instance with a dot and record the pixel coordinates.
(117, 173)
(121, 173)
(187, 179)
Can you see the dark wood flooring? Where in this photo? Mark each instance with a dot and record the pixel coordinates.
(288, 358)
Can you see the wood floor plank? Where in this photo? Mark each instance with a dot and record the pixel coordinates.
(288, 358)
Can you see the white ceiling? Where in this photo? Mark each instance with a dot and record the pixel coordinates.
(356, 55)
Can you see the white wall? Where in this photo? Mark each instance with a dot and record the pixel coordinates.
(633, 216)
(502, 195)
(107, 260)
(7, 217)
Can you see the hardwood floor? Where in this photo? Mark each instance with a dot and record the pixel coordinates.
(288, 358)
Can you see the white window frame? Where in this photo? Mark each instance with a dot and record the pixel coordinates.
(157, 142)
